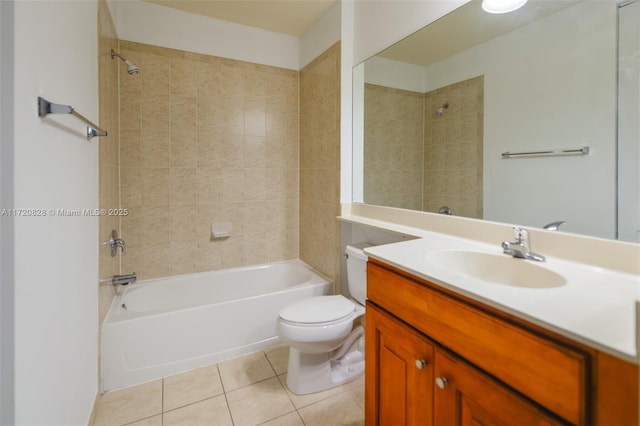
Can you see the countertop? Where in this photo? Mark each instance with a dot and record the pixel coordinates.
(596, 307)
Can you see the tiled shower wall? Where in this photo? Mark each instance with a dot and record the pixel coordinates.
(393, 153)
(417, 160)
(453, 148)
(320, 163)
(206, 140)
(109, 196)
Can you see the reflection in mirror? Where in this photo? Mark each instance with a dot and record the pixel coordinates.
(439, 109)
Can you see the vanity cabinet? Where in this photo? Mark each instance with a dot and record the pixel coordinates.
(401, 361)
(435, 357)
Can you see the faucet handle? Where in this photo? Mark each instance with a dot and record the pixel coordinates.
(520, 234)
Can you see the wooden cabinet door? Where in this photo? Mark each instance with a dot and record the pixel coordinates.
(398, 373)
(465, 396)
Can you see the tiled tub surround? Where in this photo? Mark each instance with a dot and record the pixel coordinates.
(453, 164)
(415, 159)
(205, 140)
(393, 154)
(320, 163)
(246, 391)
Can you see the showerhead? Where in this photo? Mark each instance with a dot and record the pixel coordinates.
(441, 110)
(131, 69)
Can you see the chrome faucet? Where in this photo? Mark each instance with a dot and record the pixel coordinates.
(554, 226)
(124, 279)
(115, 242)
(521, 247)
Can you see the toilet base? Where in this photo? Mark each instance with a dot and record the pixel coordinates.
(310, 373)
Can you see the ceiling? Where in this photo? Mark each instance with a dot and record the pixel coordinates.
(293, 17)
(465, 27)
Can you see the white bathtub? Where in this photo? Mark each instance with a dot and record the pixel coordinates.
(165, 326)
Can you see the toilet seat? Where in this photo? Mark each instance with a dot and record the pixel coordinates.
(318, 310)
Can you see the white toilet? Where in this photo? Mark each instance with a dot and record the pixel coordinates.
(326, 350)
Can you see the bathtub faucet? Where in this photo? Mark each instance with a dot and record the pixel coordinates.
(124, 279)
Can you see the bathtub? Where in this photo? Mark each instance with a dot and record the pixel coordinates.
(160, 327)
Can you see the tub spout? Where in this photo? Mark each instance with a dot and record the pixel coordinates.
(124, 279)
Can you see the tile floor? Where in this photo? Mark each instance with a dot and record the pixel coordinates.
(244, 391)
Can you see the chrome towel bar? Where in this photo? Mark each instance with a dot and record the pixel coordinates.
(552, 152)
(45, 108)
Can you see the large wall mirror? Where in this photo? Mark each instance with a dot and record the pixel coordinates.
(516, 118)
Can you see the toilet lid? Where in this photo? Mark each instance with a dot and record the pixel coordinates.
(317, 309)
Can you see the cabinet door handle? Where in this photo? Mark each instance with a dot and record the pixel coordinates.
(420, 363)
(441, 382)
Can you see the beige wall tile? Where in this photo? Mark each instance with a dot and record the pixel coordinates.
(209, 111)
(184, 77)
(255, 121)
(155, 187)
(319, 203)
(209, 257)
(155, 223)
(130, 111)
(208, 150)
(155, 71)
(182, 222)
(155, 150)
(183, 257)
(202, 141)
(156, 260)
(182, 185)
(130, 148)
(183, 113)
(156, 112)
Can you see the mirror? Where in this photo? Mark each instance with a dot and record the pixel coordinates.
(509, 118)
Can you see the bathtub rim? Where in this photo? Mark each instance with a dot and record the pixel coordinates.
(113, 314)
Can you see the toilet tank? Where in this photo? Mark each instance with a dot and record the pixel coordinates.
(357, 271)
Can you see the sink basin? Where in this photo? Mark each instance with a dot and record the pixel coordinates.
(497, 269)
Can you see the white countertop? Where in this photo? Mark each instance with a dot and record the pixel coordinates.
(596, 306)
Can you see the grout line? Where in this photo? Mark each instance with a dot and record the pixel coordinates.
(162, 404)
(224, 392)
(275, 373)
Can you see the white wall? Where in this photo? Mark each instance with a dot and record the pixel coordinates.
(396, 74)
(564, 54)
(629, 125)
(56, 258)
(322, 35)
(150, 23)
(7, 346)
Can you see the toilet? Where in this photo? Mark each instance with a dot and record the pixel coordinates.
(326, 350)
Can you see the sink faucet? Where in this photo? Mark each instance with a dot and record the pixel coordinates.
(554, 226)
(521, 247)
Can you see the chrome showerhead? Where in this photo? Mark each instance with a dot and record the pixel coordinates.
(131, 69)
(441, 110)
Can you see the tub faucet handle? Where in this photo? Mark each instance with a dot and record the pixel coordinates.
(115, 242)
(124, 279)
